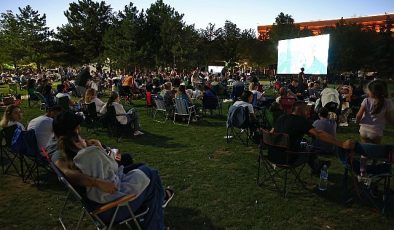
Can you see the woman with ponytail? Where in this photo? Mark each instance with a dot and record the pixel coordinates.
(375, 110)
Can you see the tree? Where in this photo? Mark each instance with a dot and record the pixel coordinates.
(35, 34)
(283, 28)
(384, 51)
(119, 41)
(83, 34)
(12, 48)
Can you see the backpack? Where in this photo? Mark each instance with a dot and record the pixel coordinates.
(24, 142)
(18, 142)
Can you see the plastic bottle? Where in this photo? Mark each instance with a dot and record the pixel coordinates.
(323, 178)
(363, 166)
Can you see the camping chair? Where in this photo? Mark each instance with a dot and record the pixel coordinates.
(183, 109)
(287, 104)
(148, 103)
(237, 91)
(379, 173)
(272, 170)
(115, 128)
(92, 119)
(210, 103)
(160, 107)
(8, 154)
(32, 159)
(238, 124)
(35, 98)
(125, 93)
(94, 210)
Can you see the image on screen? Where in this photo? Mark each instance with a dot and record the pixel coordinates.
(215, 69)
(310, 53)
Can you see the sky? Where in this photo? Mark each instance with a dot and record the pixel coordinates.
(245, 13)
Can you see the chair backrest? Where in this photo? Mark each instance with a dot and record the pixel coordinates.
(160, 105)
(148, 98)
(181, 106)
(7, 134)
(276, 140)
(91, 110)
(254, 101)
(210, 102)
(287, 103)
(238, 117)
(63, 102)
(110, 115)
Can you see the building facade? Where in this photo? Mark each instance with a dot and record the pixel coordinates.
(368, 23)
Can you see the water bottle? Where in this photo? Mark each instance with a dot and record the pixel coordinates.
(323, 178)
(363, 165)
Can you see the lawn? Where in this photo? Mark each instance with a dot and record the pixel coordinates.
(215, 184)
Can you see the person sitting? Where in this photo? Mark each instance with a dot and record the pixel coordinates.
(327, 125)
(294, 89)
(168, 97)
(181, 93)
(253, 88)
(131, 118)
(296, 126)
(12, 116)
(283, 93)
(91, 96)
(61, 93)
(208, 92)
(66, 127)
(246, 102)
(42, 125)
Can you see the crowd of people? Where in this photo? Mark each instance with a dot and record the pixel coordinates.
(302, 106)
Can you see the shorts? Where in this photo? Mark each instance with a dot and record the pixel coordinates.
(370, 132)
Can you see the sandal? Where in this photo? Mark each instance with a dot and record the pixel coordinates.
(169, 194)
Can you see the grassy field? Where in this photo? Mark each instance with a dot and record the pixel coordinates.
(215, 184)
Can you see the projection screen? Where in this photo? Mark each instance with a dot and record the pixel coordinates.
(310, 53)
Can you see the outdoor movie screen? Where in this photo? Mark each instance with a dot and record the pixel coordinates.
(310, 53)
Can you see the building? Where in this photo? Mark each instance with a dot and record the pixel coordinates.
(368, 22)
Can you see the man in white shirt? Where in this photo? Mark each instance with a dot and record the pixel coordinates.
(42, 125)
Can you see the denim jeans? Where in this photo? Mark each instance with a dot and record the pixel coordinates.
(151, 198)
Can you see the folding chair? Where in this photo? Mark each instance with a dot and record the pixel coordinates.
(182, 109)
(238, 124)
(14, 160)
(272, 170)
(32, 159)
(287, 103)
(113, 126)
(160, 108)
(95, 210)
(148, 103)
(379, 173)
(92, 119)
(211, 103)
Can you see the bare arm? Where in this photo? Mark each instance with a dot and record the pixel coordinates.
(77, 178)
(321, 135)
(360, 114)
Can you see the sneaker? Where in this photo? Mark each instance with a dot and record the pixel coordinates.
(169, 194)
(137, 133)
(345, 124)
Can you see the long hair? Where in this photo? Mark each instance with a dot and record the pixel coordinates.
(112, 98)
(7, 115)
(89, 95)
(379, 91)
(66, 145)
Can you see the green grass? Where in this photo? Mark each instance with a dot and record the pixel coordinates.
(215, 184)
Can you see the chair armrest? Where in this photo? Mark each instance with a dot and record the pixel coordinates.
(115, 203)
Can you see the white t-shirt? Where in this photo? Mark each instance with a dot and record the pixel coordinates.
(42, 126)
(99, 103)
(59, 95)
(119, 109)
(244, 104)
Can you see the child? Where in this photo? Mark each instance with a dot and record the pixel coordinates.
(374, 111)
